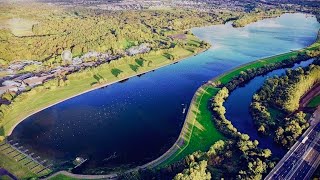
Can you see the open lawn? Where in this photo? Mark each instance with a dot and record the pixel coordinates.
(314, 102)
(62, 177)
(256, 64)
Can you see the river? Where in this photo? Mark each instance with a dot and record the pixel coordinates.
(130, 123)
(238, 109)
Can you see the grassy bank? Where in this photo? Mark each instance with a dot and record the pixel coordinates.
(226, 77)
(200, 132)
(47, 95)
(43, 96)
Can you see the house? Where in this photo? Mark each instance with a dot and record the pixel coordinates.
(34, 81)
(142, 48)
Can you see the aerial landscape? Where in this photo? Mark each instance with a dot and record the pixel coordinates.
(159, 89)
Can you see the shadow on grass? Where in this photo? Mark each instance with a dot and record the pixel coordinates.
(140, 61)
(191, 50)
(97, 77)
(134, 67)
(2, 131)
(116, 72)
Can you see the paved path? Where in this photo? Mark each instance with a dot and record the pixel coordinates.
(303, 158)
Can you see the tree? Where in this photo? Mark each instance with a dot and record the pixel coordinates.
(196, 171)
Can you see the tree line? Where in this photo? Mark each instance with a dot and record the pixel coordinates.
(82, 30)
(282, 95)
(256, 15)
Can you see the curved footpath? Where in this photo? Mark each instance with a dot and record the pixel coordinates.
(190, 118)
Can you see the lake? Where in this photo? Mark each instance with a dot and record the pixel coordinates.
(130, 123)
(238, 109)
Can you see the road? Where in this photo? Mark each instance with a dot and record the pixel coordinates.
(303, 158)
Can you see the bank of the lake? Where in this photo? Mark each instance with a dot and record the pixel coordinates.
(19, 112)
(129, 107)
(199, 113)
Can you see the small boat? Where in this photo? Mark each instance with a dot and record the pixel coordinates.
(184, 109)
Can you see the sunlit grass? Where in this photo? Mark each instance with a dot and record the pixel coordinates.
(20, 27)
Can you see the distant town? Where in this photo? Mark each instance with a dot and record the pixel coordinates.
(203, 5)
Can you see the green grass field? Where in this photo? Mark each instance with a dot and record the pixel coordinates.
(314, 102)
(225, 78)
(62, 177)
(256, 64)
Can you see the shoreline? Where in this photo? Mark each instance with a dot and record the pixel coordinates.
(172, 148)
(101, 86)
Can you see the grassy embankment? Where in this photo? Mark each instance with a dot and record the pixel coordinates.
(36, 100)
(201, 132)
(62, 177)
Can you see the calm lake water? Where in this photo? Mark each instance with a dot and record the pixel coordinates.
(239, 113)
(130, 123)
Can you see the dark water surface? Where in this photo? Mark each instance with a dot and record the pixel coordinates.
(130, 123)
(238, 109)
